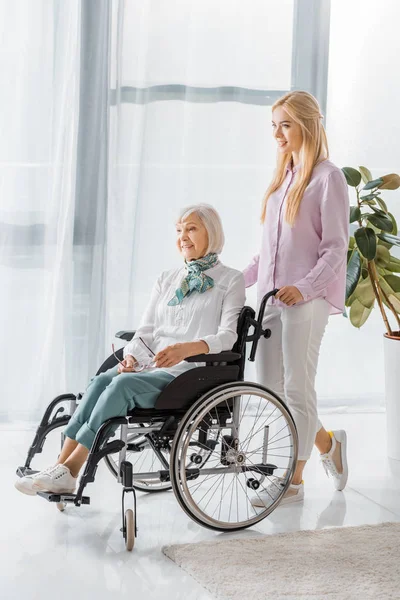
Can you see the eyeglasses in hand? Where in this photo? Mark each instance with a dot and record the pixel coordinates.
(145, 362)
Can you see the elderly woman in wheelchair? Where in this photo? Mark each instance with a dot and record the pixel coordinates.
(176, 395)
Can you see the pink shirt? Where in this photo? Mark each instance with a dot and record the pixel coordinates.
(312, 254)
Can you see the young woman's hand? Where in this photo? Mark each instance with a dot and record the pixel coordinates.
(127, 365)
(289, 294)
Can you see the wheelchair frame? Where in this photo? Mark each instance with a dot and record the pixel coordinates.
(222, 376)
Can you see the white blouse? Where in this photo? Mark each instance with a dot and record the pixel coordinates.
(211, 317)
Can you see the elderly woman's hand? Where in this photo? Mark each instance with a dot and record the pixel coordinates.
(127, 365)
(172, 355)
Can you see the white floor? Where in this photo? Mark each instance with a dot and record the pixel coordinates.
(80, 553)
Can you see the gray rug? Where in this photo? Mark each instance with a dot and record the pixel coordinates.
(346, 563)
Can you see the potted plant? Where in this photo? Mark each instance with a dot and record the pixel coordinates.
(373, 278)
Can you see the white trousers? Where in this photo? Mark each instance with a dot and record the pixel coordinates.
(287, 363)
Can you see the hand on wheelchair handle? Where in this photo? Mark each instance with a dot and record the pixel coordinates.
(289, 295)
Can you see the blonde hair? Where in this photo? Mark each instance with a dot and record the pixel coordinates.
(303, 109)
(211, 221)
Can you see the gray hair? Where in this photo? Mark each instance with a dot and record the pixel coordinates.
(211, 221)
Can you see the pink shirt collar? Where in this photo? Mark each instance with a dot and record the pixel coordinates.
(294, 169)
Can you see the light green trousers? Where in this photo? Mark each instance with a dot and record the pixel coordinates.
(112, 395)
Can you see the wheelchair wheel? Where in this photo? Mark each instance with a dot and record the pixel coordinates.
(254, 458)
(129, 529)
(143, 459)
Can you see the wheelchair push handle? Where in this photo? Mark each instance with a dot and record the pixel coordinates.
(257, 324)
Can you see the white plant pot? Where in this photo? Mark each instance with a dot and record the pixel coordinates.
(391, 347)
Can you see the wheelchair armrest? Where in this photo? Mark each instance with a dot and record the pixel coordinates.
(226, 356)
(125, 335)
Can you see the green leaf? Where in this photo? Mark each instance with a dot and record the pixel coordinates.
(394, 230)
(382, 204)
(393, 265)
(365, 174)
(352, 241)
(383, 223)
(394, 297)
(373, 184)
(390, 182)
(359, 313)
(395, 300)
(353, 273)
(369, 197)
(394, 282)
(364, 293)
(353, 177)
(390, 239)
(378, 211)
(355, 214)
(366, 242)
(382, 258)
(395, 268)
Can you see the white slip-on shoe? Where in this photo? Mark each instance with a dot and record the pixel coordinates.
(26, 484)
(335, 461)
(294, 493)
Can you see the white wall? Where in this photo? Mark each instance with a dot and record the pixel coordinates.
(363, 125)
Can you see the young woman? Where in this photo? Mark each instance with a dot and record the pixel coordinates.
(305, 218)
(192, 310)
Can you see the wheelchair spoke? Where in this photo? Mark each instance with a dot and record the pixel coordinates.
(223, 499)
(202, 482)
(252, 434)
(245, 493)
(212, 495)
(269, 448)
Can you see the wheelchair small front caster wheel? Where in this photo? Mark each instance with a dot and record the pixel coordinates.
(253, 484)
(61, 506)
(129, 529)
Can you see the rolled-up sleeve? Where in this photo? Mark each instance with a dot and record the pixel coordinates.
(233, 303)
(251, 272)
(334, 238)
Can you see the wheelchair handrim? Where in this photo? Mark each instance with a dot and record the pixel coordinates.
(182, 440)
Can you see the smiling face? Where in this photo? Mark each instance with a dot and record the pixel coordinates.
(286, 132)
(191, 237)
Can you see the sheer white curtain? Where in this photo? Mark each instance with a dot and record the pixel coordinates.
(114, 115)
(193, 83)
(39, 64)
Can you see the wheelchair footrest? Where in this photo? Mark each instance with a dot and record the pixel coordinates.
(67, 498)
(24, 471)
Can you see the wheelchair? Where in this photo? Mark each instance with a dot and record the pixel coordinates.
(213, 438)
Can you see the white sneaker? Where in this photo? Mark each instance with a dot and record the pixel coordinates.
(335, 461)
(25, 484)
(57, 479)
(294, 493)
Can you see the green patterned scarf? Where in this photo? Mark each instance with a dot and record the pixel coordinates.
(195, 280)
